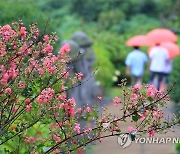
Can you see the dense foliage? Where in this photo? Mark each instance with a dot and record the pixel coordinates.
(108, 23)
(175, 77)
(37, 116)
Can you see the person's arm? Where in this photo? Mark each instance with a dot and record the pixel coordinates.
(128, 64)
(148, 64)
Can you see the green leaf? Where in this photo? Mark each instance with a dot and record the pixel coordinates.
(150, 99)
(135, 118)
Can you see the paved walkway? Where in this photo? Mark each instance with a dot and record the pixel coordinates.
(110, 145)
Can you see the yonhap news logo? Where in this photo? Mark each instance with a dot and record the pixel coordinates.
(125, 140)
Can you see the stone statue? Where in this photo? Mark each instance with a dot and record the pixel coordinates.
(89, 90)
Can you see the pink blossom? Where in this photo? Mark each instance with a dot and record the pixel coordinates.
(143, 116)
(65, 49)
(62, 97)
(116, 128)
(2, 52)
(15, 109)
(7, 32)
(46, 38)
(99, 98)
(56, 138)
(80, 151)
(8, 90)
(46, 95)
(151, 132)
(62, 88)
(100, 140)
(5, 78)
(27, 101)
(29, 139)
(55, 151)
(79, 110)
(151, 91)
(47, 49)
(70, 111)
(61, 106)
(40, 71)
(105, 125)
(28, 107)
(72, 101)
(77, 128)
(21, 84)
(88, 109)
(116, 101)
(23, 32)
(79, 76)
(137, 87)
(157, 114)
(131, 129)
(65, 75)
(58, 125)
(134, 97)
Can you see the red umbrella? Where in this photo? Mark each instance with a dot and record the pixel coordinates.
(172, 48)
(160, 35)
(138, 40)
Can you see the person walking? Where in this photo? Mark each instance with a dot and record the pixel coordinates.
(166, 73)
(158, 60)
(135, 62)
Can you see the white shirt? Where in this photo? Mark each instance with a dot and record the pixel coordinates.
(136, 60)
(168, 69)
(159, 57)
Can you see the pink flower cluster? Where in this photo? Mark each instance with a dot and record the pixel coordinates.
(64, 49)
(69, 105)
(46, 95)
(21, 84)
(7, 32)
(134, 97)
(151, 91)
(47, 49)
(77, 128)
(8, 91)
(46, 38)
(30, 139)
(151, 132)
(87, 130)
(131, 129)
(48, 63)
(88, 109)
(24, 49)
(28, 107)
(137, 87)
(56, 138)
(2, 50)
(12, 73)
(157, 114)
(116, 101)
(23, 32)
(79, 76)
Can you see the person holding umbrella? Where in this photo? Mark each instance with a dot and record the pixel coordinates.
(136, 59)
(173, 51)
(158, 60)
(161, 55)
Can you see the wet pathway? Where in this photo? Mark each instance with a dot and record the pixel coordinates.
(110, 145)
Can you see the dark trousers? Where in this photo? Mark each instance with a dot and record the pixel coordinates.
(159, 76)
(136, 80)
